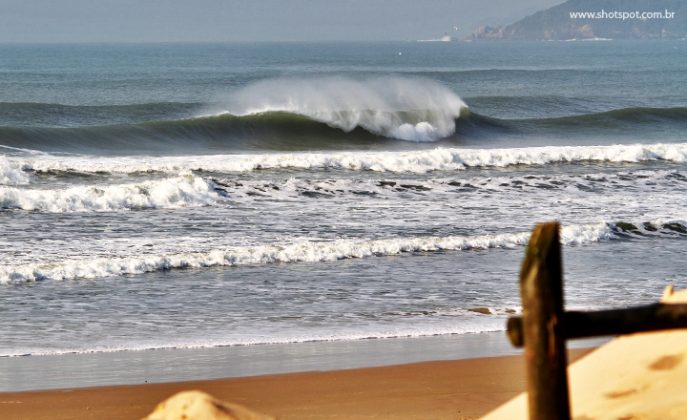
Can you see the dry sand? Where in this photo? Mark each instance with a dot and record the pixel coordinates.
(634, 376)
(461, 389)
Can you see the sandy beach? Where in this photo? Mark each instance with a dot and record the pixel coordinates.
(332, 227)
(460, 389)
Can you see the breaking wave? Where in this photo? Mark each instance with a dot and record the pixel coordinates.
(324, 251)
(191, 190)
(317, 251)
(16, 170)
(393, 107)
(181, 191)
(272, 114)
(307, 114)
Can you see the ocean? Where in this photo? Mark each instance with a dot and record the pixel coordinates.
(205, 196)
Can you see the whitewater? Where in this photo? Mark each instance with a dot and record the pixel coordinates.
(401, 108)
(16, 170)
(286, 195)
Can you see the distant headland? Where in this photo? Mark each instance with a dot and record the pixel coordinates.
(596, 20)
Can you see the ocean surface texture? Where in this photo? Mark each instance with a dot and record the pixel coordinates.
(182, 196)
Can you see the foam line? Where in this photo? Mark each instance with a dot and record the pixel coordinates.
(421, 161)
(305, 251)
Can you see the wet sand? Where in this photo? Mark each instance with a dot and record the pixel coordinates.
(460, 389)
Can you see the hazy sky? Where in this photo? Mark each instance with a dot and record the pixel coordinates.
(244, 20)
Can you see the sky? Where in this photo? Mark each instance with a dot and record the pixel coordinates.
(251, 20)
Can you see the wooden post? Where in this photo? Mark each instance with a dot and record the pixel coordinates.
(653, 317)
(541, 286)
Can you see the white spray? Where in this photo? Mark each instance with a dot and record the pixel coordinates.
(410, 109)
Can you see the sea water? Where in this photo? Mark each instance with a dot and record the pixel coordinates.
(211, 195)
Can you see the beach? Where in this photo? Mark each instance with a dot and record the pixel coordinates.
(324, 210)
(459, 389)
(183, 212)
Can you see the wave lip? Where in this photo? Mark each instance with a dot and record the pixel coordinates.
(326, 115)
(401, 108)
(307, 251)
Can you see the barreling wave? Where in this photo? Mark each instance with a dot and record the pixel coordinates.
(319, 251)
(311, 114)
(392, 107)
(273, 114)
(285, 131)
(269, 131)
(17, 169)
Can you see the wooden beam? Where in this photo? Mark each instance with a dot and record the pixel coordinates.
(654, 317)
(541, 286)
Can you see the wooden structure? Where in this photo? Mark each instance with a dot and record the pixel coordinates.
(545, 326)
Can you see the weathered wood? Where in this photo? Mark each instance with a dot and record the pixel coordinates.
(654, 317)
(515, 331)
(542, 301)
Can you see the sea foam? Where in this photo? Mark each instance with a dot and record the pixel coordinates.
(181, 191)
(12, 173)
(421, 161)
(303, 251)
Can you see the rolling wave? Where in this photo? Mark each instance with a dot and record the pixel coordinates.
(272, 114)
(308, 251)
(613, 118)
(35, 114)
(15, 170)
(191, 190)
(315, 114)
(285, 131)
(321, 251)
(181, 191)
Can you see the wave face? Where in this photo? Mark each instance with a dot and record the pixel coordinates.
(30, 114)
(283, 129)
